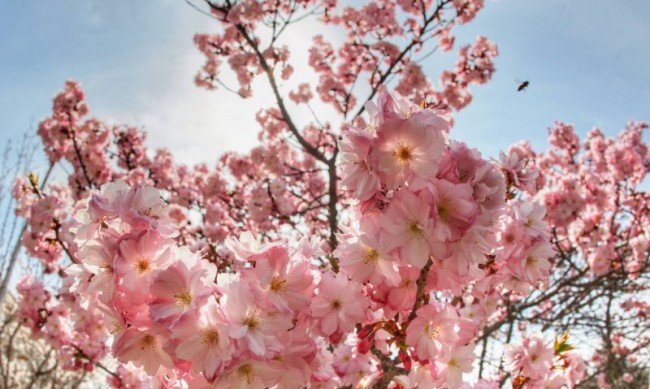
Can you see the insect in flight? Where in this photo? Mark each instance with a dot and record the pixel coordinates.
(523, 86)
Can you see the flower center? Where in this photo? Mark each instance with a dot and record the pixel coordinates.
(361, 164)
(183, 298)
(147, 342)
(277, 284)
(531, 261)
(370, 256)
(210, 337)
(413, 229)
(336, 304)
(148, 212)
(246, 372)
(142, 266)
(403, 152)
(434, 331)
(443, 211)
(116, 327)
(251, 321)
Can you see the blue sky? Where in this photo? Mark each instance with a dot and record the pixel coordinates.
(586, 61)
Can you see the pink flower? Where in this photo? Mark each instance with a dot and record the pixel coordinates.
(489, 187)
(247, 247)
(600, 259)
(553, 380)
(536, 265)
(575, 367)
(432, 331)
(533, 358)
(348, 362)
(296, 360)
(628, 378)
(203, 339)
(130, 376)
(248, 373)
(454, 206)
(366, 258)
(454, 363)
(143, 208)
(409, 149)
(180, 288)
(254, 327)
(143, 348)
(131, 308)
(467, 9)
(407, 225)
(285, 282)
(510, 238)
(532, 215)
(302, 95)
(96, 273)
(460, 163)
(602, 381)
(469, 251)
(402, 297)
(34, 296)
(106, 204)
(356, 174)
(515, 166)
(339, 304)
(389, 106)
(140, 258)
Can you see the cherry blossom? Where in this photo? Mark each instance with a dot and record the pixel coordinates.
(363, 248)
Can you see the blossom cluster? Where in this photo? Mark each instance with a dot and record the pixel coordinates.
(428, 249)
(78, 332)
(536, 365)
(272, 186)
(434, 208)
(591, 191)
(45, 215)
(372, 48)
(423, 196)
(382, 255)
(595, 199)
(80, 142)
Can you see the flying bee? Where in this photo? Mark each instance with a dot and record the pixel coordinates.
(523, 86)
